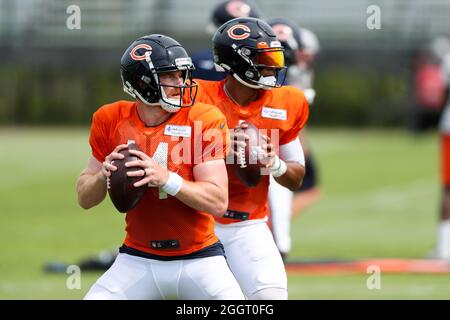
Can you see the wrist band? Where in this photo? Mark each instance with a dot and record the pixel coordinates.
(278, 168)
(173, 184)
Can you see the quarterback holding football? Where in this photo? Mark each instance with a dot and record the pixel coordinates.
(170, 249)
(249, 52)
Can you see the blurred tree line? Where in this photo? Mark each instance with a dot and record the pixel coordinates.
(52, 74)
(353, 88)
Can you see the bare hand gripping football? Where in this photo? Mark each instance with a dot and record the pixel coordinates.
(124, 195)
(249, 153)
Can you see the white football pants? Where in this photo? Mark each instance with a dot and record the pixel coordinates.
(254, 259)
(136, 278)
(280, 200)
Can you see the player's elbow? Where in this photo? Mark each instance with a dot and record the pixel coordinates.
(220, 208)
(216, 200)
(81, 198)
(296, 185)
(84, 204)
(297, 180)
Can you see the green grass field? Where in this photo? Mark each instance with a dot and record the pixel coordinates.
(380, 199)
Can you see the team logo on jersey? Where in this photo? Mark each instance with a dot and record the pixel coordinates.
(140, 56)
(241, 35)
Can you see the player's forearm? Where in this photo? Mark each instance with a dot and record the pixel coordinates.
(293, 177)
(204, 196)
(91, 189)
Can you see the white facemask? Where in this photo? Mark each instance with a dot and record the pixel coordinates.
(172, 105)
(168, 107)
(268, 82)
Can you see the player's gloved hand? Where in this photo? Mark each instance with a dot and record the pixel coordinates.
(108, 164)
(152, 173)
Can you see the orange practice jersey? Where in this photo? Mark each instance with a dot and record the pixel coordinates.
(179, 144)
(281, 111)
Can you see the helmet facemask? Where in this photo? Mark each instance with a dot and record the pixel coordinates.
(187, 90)
(257, 60)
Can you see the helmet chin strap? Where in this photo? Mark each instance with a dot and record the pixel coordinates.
(161, 103)
(169, 104)
(245, 83)
(266, 83)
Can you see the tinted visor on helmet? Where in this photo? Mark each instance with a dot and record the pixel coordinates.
(268, 57)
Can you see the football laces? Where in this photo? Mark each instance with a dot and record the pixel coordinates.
(241, 157)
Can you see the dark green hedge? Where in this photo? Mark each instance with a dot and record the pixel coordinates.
(36, 96)
(33, 95)
(359, 98)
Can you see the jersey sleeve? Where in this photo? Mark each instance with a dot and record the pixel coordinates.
(300, 113)
(200, 90)
(99, 136)
(211, 140)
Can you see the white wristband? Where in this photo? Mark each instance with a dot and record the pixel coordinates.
(278, 168)
(173, 184)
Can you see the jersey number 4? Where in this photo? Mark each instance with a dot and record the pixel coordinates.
(160, 157)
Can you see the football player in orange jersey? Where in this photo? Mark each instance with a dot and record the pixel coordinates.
(170, 249)
(442, 250)
(248, 50)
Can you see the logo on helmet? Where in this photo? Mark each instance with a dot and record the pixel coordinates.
(244, 35)
(136, 56)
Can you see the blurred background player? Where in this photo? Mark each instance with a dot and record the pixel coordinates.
(224, 11)
(250, 53)
(301, 47)
(170, 250)
(442, 250)
(429, 85)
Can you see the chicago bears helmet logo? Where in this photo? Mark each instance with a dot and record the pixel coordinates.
(136, 56)
(241, 35)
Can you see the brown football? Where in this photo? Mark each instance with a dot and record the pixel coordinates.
(123, 194)
(247, 164)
